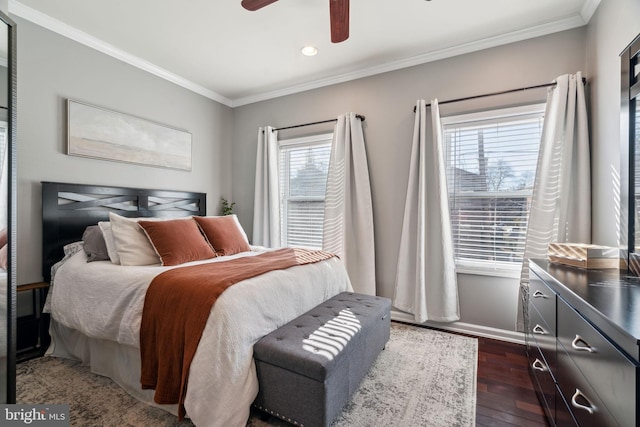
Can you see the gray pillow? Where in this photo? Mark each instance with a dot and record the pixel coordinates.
(94, 244)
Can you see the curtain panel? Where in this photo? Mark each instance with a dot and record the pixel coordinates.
(348, 212)
(561, 202)
(266, 203)
(426, 283)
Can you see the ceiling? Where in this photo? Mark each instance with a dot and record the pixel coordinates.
(222, 51)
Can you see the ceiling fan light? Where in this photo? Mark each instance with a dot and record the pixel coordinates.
(309, 51)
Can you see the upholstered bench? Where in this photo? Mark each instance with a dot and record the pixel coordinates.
(309, 368)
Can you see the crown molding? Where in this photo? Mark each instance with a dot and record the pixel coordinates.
(18, 9)
(489, 42)
(588, 9)
(45, 21)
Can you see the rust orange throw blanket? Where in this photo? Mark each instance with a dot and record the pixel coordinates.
(176, 309)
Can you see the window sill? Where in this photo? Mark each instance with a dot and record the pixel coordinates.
(506, 272)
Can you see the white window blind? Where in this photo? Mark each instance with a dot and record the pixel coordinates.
(491, 163)
(304, 165)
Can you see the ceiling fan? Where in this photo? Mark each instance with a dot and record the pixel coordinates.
(338, 9)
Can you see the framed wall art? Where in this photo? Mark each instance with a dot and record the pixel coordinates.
(99, 133)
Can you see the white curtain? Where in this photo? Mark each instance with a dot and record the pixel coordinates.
(426, 283)
(561, 201)
(348, 212)
(266, 204)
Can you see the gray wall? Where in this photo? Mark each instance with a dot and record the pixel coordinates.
(614, 25)
(387, 101)
(52, 68)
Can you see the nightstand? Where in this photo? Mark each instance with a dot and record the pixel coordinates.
(33, 334)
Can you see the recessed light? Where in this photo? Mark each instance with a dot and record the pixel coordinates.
(309, 51)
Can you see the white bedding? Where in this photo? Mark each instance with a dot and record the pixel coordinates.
(104, 301)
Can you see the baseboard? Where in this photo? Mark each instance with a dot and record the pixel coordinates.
(465, 328)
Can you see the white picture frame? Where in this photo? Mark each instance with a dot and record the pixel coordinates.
(99, 133)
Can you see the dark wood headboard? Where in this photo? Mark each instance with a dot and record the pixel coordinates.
(67, 209)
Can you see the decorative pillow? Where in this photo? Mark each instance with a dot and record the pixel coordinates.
(3, 237)
(177, 241)
(132, 244)
(225, 234)
(94, 244)
(109, 240)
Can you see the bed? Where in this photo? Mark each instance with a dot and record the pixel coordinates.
(96, 307)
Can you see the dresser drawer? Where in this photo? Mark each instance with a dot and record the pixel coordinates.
(564, 416)
(544, 338)
(544, 299)
(602, 365)
(585, 404)
(546, 386)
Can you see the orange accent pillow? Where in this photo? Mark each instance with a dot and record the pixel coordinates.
(177, 241)
(224, 234)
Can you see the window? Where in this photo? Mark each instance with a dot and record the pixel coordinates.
(491, 162)
(304, 165)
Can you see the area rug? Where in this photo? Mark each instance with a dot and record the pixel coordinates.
(424, 377)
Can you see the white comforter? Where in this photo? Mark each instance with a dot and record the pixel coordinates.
(104, 301)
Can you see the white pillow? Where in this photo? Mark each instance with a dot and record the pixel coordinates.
(105, 227)
(132, 244)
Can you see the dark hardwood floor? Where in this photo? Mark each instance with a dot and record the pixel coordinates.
(506, 396)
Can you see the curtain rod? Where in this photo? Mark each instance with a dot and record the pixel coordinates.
(361, 117)
(468, 98)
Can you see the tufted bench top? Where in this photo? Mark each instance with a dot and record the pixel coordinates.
(315, 342)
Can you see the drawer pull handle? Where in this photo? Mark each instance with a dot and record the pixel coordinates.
(585, 347)
(539, 330)
(590, 408)
(539, 366)
(538, 294)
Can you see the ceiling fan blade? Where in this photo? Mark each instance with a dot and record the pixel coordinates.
(256, 4)
(339, 10)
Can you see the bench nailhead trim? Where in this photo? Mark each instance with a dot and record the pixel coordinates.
(281, 416)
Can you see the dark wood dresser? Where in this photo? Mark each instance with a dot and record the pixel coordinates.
(583, 342)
